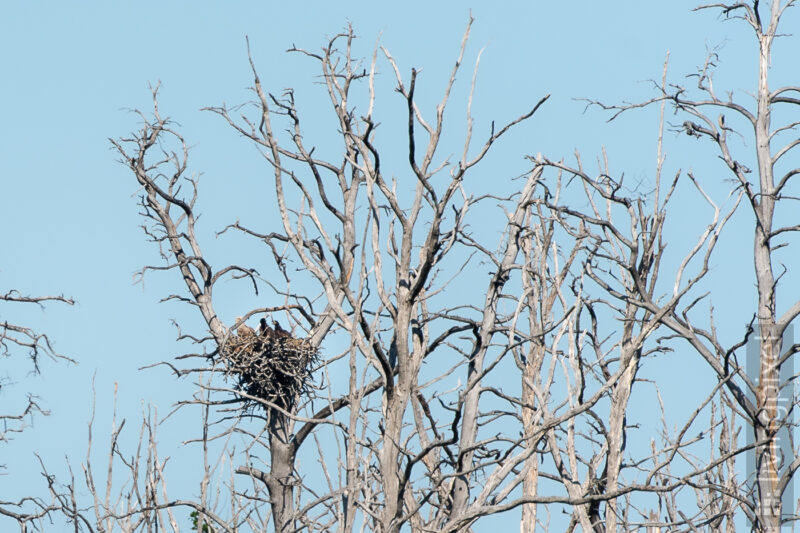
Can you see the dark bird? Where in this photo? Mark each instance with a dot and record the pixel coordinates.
(279, 331)
(263, 329)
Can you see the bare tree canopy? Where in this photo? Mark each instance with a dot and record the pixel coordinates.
(436, 343)
(20, 338)
(17, 339)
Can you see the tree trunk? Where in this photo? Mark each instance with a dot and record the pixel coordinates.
(766, 424)
(280, 479)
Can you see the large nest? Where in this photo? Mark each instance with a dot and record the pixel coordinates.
(270, 365)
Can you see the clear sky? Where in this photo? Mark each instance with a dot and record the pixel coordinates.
(72, 71)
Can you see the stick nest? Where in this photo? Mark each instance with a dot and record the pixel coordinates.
(272, 366)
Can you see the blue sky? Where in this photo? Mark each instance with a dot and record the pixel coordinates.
(73, 70)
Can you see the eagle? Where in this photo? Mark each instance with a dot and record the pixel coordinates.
(263, 329)
(279, 331)
(244, 330)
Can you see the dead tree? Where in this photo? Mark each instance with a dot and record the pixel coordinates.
(376, 271)
(768, 190)
(752, 397)
(14, 338)
(483, 371)
(381, 298)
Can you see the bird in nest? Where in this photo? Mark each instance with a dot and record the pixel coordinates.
(263, 329)
(244, 330)
(279, 331)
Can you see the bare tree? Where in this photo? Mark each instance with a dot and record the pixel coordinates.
(770, 189)
(757, 397)
(14, 338)
(379, 299)
(439, 374)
